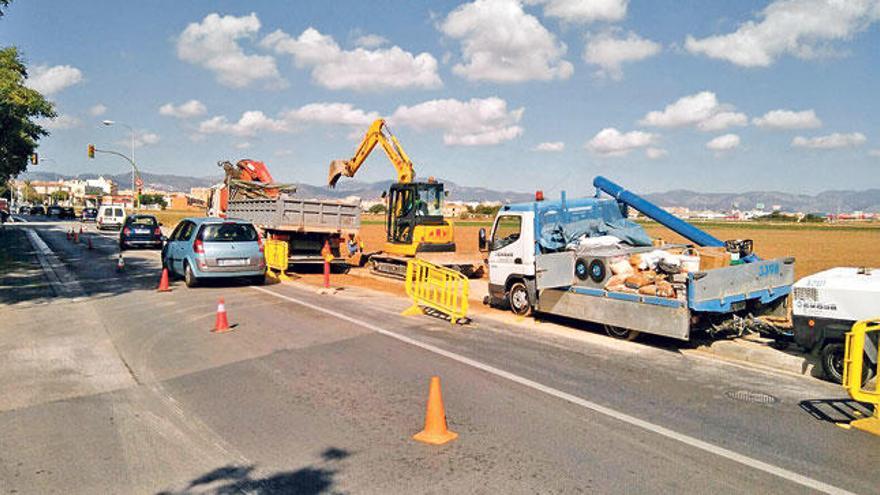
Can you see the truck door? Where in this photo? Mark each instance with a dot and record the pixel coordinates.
(508, 249)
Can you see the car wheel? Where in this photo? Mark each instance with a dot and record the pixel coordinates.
(832, 358)
(189, 277)
(518, 299)
(621, 333)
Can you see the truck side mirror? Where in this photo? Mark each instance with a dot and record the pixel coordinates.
(484, 243)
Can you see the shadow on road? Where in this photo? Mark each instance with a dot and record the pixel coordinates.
(836, 410)
(232, 479)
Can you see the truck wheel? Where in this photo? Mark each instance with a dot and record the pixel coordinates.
(621, 333)
(832, 363)
(518, 299)
(189, 277)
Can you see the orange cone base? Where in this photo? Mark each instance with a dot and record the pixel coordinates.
(163, 283)
(435, 438)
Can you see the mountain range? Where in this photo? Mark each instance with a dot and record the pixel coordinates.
(826, 201)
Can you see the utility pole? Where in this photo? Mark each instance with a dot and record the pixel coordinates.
(134, 172)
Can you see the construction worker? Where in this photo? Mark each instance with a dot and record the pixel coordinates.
(353, 245)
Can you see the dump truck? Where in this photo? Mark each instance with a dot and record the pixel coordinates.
(584, 259)
(248, 192)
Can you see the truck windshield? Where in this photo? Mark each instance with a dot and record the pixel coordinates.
(507, 230)
(430, 201)
(228, 232)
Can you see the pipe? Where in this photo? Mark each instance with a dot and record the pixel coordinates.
(656, 213)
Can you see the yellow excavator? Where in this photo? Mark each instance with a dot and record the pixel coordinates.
(414, 223)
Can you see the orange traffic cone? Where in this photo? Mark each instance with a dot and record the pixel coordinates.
(163, 282)
(80, 229)
(76, 238)
(435, 432)
(222, 324)
(68, 234)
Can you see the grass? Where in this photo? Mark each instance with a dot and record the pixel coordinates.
(170, 218)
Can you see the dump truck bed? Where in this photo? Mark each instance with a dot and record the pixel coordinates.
(291, 214)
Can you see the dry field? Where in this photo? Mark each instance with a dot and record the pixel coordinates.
(816, 248)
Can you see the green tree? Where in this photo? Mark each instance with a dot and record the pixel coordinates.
(152, 199)
(377, 209)
(19, 107)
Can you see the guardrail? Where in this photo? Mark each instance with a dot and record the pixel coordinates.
(853, 365)
(276, 253)
(436, 288)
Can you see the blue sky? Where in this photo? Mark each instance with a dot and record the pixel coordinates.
(714, 96)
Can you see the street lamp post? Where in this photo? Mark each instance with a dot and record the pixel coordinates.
(134, 201)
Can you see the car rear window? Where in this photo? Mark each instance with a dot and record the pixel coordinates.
(228, 232)
(146, 221)
(118, 212)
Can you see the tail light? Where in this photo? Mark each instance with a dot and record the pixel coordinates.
(157, 231)
(260, 241)
(126, 231)
(199, 246)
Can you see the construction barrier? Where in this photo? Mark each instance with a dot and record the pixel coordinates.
(276, 255)
(853, 364)
(437, 288)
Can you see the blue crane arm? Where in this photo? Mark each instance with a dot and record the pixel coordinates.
(656, 213)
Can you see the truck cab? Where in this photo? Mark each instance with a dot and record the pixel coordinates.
(511, 247)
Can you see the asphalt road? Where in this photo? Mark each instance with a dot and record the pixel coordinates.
(120, 389)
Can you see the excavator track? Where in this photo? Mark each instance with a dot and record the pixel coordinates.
(395, 267)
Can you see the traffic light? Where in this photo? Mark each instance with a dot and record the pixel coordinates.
(91, 151)
(35, 159)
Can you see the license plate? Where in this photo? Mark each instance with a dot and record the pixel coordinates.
(141, 231)
(233, 262)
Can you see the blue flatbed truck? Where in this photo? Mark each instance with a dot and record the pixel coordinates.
(536, 264)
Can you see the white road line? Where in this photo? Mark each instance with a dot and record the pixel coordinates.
(607, 411)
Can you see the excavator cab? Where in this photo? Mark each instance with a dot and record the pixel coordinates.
(411, 205)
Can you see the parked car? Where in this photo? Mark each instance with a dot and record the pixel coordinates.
(201, 248)
(110, 217)
(24, 210)
(53, 211)
(140, 231)
(67, 212)
(38, 210)
(89, 214)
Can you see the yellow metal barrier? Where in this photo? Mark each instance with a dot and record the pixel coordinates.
(853, 363)
(276, 255)
(437, 288)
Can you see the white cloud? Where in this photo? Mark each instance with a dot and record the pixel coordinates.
(60, 122)
(98, 110)
(831, 141)
(610, 52)
(370, 41)
(701, 110)
(581, 11)
(476, 122)
(726, 142)
(655, 153)
(253, 122)
(192, 108)
(611, 142)
(788, 119)
(50, 80)
(875, 152)
(214, 45)
(143, 139)
(243, 145)
(360, 69)
(503, 44)
(550, 146)
(802, 28)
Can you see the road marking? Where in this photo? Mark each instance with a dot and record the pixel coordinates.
(607, 411)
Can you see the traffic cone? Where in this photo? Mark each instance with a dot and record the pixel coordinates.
(163, 282)
(435, 432)
(68, 234)
(221, 324)
(76, 237)
(120, 263)
(80, 230)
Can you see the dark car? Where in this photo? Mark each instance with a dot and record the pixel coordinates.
(24, 210)
(38, 210)
(89, 214)
(53, 211)
(67, 212)
(140, 230)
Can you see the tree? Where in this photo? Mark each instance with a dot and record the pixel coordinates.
(152, 199)
(377, 209)
(19, 107)
(59, 196)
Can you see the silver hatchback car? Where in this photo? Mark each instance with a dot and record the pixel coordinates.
(202, 248)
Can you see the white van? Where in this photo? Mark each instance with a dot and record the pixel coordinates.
(110, 217)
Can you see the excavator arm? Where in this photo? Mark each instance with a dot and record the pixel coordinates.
(380, 134)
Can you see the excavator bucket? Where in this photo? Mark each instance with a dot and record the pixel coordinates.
(338, 168)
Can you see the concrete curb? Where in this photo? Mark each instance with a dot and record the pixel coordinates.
(61, 280)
